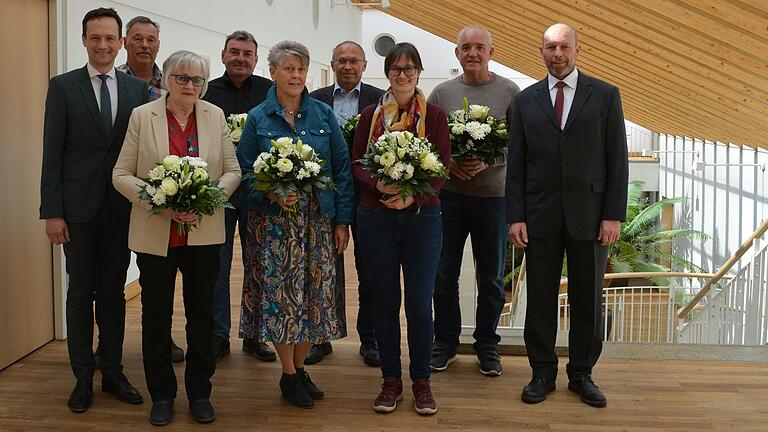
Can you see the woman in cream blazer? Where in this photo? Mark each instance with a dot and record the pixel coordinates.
(183, 125)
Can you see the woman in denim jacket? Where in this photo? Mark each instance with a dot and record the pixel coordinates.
(291, 291)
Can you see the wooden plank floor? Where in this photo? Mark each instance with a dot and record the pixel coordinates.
(642, 395)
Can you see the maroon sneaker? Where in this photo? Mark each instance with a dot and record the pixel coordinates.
(422, 394)
(391, 393)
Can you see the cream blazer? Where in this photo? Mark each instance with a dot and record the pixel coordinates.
(145, 145)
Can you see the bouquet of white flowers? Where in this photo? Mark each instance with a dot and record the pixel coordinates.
(235, 124)
(476, 135)
(349, 127)
(182, 184)
(405, 161)
(289, 167)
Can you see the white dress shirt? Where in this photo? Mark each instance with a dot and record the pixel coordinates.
(111, 86)
(345, 102)
(568, 92)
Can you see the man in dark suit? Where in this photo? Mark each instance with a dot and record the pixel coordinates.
(86, 116)
(348, 96)
(566, 192)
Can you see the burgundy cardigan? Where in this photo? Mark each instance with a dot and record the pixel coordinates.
(437, 133)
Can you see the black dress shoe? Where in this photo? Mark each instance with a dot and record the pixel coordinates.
(293, 390)
(161, 413)
(177, 354)
(259, 350)
(202, 411)
(118, 384)
(220, 347)
(370, 353)
(81, 396)
(314, 392)
(585, 386)
(536, 390)
(317, 353)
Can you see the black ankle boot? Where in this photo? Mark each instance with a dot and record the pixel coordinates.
(293, 390)
(314, 392)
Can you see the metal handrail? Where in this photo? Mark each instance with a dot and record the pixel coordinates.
(683, 312)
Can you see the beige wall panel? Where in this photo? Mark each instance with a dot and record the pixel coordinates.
(26, 286)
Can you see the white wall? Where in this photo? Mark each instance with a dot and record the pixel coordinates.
(202, 26)
(436, 53)
(726, 202)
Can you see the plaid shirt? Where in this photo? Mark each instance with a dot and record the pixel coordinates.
(155, 86)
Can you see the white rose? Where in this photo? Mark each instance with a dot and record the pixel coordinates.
(429, 162)
(478, 112)
(284, 141)
(236, 135)
(457, 129)
(157, 173)
(169, 187)
(284, 165)
(200, 174)
(172, 163)
(158, 198)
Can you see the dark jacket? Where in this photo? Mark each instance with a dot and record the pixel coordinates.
(578, 174)
(78, 154)
(369, 95)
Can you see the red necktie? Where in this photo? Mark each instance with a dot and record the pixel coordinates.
(559, 97)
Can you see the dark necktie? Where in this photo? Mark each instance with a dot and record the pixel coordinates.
(559, 97)
(106, 105)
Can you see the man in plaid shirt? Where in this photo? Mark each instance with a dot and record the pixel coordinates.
(142, 41)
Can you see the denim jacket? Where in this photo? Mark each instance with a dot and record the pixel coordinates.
(315, 125)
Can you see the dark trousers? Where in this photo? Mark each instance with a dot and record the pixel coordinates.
(390, 239)
(484, 219)
(365, 312)
(97, 262)
(222, 312)
(586, 267)
(199, 266)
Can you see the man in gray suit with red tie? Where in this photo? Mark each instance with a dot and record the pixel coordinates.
(566, 193)
(86, 116)
(348, 96)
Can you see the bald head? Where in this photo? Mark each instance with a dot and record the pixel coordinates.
(560, 49)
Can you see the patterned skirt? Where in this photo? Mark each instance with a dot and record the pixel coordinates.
(291, 293)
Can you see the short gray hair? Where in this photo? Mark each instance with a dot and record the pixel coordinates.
(181, 60)
(241, 35)
(281, 50)
(141, 20)
(463, 31)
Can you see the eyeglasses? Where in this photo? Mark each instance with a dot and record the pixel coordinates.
(349, 61)
(184, 79)
(395, 71)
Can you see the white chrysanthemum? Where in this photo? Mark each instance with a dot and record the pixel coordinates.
(284, 165)
(387, 159)
(196, 162)
(261, 162)
(393, 173)
(302, 174)
(408, 172)
(169, 186)
(312, 167)
(430, 162)
(157, 173)
(150, 190)
(457, 129)
(478, 130)
(478, 112)
(172, 163)
(158, 198)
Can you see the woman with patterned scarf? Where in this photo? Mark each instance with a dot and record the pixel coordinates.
(394, 231)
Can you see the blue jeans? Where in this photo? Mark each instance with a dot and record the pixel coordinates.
(484, 219)
(222, 319)
(390, 239)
